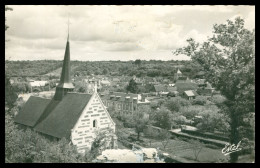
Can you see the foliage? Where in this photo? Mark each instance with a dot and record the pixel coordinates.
(199, 100)
(132, 86)
(180, 119)
(52, 68)
(163, 118)
(22, 87)
(7, 9)
(140, 122)
(175, 104)
(228, 58)
(165, 137)
(103, 140)
(217, 99)
(191, 111)
(213, 120)
(196, 147)
(27, 146)
(138, 62)
(10, 95)
(82, 90)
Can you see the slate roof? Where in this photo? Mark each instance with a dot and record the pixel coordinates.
(160, 88)
(64, 116)
(181, 87)
(190, 93)
(182, 78)
(121, 96)
(171, 89)
(32, 111)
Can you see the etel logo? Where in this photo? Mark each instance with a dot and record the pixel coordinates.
(231, 148)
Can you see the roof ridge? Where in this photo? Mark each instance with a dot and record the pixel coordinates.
(40, 97)
(78, 93)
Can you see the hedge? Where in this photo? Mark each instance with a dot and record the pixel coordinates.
(206, 135)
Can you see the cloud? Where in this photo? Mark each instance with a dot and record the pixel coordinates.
(41, 31)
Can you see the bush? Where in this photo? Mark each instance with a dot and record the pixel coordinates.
(217, 99)
(175, 104)
(191, 111)
(199, 100)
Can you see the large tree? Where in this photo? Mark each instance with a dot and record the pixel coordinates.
(7, 9)
(228, 58)
(132, 86)
(10, 95)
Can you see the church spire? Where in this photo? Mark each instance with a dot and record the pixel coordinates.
(65, 84)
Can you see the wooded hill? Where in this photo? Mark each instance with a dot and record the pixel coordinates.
(140, 68)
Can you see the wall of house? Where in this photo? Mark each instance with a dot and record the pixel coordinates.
(84, 133)
(127, 107)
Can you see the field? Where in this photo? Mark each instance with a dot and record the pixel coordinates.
(184, 150)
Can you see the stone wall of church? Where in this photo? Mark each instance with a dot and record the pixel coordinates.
(93, 118)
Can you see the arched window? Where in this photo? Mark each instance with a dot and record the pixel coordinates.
(94, 123)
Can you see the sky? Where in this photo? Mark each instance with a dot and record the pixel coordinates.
(99, 33)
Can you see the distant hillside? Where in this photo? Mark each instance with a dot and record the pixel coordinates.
(150, 68)
(57, 72)
(30, 68)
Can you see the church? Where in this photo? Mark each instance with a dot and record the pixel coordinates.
(75, 116)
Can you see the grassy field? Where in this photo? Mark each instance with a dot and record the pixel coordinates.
(184, 149)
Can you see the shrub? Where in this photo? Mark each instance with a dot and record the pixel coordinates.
(217, 99)
(175, 104)
(199, 100)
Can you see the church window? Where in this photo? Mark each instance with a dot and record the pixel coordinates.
(94, 123)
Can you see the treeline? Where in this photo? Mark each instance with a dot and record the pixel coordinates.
(140, 68)
(31, 68)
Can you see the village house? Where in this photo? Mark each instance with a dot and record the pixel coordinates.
(180, 78)
(205, 90)
(190, 94)
(90, 83)
(105, 82)
(70, 115)
(163, 90)
(126, 103)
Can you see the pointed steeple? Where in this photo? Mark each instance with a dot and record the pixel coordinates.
(65, 79)
(65, 84)
(178, 71)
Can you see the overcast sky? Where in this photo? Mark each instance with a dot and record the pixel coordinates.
(112, 32)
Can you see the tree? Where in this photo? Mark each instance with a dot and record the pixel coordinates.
(10, 95)
(138, 62)
(212, 120)
(165, 137)
(27, 146)
(175, 104)
(196, 147)
(199, 100)
(132, 86)
(228, 59)
(6, 26)
(102, 141)
(140, 122)
(82, 89)
(163, 118)
(105, 71)
(150, 134)
(7, 9)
